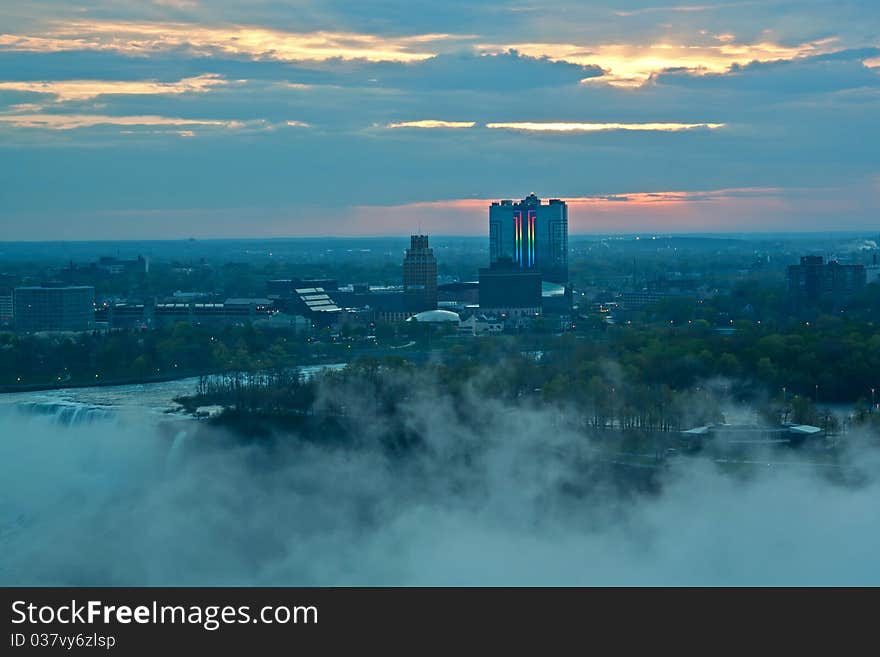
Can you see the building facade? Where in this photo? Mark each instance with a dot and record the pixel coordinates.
(420, 275)
(814, 281)
(509, 290)
(141, 315)
(532, 234)
(285, 288)
(51, 308)
(6, 312)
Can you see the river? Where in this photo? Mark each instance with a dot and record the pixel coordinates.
(69, 406)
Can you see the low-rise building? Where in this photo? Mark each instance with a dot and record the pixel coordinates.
(729, 436)
(282, 321)
(436, 317)
(128, 314)
(315, 304)
(508, 290)
(480, 324)
(638, 299)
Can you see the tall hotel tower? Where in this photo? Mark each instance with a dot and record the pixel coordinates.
(420, 275)
(531, 234)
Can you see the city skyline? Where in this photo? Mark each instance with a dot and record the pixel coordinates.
(172, 119)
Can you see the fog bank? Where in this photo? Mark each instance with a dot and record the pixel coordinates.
(521, 501)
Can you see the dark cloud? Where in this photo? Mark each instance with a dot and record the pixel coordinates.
(508, 71)
(810, 75)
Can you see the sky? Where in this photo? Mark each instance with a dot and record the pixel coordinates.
(166, 119)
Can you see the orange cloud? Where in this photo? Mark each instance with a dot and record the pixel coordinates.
(142, 38)
(73, 90)
(74, 121)
(597, 127)
(630, 65)
(432, 123)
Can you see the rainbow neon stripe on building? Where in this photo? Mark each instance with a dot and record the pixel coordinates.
(531, 238)
(524, 238)
(517, 227)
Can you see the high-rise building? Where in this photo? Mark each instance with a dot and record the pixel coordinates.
(54, 308)
(814, 281)
(532, 234)
(420, 275)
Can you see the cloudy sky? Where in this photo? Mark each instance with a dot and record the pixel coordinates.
(224, 118)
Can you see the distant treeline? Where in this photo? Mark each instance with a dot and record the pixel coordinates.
(135, 355)
(829, 360)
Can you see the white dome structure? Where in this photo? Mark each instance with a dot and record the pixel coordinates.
(435, 317)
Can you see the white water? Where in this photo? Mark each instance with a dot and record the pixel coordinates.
(72, 406)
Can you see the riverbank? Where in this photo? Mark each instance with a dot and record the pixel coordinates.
(131, 381)
(64, 385)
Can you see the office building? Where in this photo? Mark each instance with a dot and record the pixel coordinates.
(231, 311)
(815, 281)
(872, 271)
(140, 315)
(420, 275)
(5, 309)
(54, 308)
(640, 299)
(510, 290)
(532, 234)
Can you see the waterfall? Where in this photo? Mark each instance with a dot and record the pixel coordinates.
(175, 454)
(65, 413)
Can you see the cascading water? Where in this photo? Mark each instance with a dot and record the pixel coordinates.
(65, 413)
(175, 454)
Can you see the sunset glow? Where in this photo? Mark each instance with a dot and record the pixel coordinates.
(73, 121)
(598, 127)
(630, 64)
(133, 38)
(431, 123)
(73, 90)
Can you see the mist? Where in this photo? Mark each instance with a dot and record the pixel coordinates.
(517, 498)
